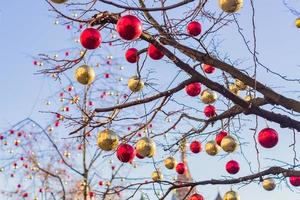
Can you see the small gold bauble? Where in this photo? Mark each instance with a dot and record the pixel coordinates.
(107, 140)
(212, 148)
(208, 96)
(248, 98)
(135, 84)
(170, 163)
(59, 1)
(85, 74)
(234, 89)
(157, 176)
(229, 144)
(146, 147)
(297, 22)
(240, 85)
(269, 184)
(231, 195)
(231, 6)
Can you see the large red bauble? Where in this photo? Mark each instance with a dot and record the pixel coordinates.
(195, 147)
(193, 89)
(131, 55)
(194, 28)
(155, 53)
(295, 181)
(129, 27)
(268, 137)
(232, 167)
(209, 111)
(125, 153)
(196, 197)
(181, 168)
(90, 38)
(220, 136)
(208, 69)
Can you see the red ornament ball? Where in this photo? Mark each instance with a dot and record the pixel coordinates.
(90, 38)
(196, 197)
(129, 27)
(268, 138)
(195, 147)
(295, 181)
(193, 89)
(125, 153)
(155, 53)
(208, 69)
(232, 167)
(209, 111)
(194, 28)
(131, 55)
(220, 136)
(181, 168)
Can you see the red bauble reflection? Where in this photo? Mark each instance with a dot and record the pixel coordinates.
(196, 197)
(129, 27)
(125, 153)
(155, 53)
(90, 38)
(193, 89)
(181, 168)
(232, 167)
(268, 138)
(131, 55)
(139, 156)
(220, 136)
(295, 181)
(195, 147)
(209, 111)
(194, 28)
(208, 69)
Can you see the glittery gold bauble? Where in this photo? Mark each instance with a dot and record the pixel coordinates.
(107, 140)
(212, 148)
(231, 195)
(234, 89)
(229, 144)
(59, 1)
(157, 176)
(269, 184)
(297, 22)
(240, 85)
(135, 84)
(208, 96)
(85, 74)
(146, 147)
(231, 6)
(248, 98)
(170, 163)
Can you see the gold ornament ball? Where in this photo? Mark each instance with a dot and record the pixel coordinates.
(248, 98)
(269, 184)
(146, 147)
(85, 74)
(135, 84)
(240, 85)
(208, 96)
(212, 148)
(231, 6)
(234, 89)
(157, 176)
(170, 163)
(59, 1)
(229, 144)
(107, 140)
(231, 195)
(297, 22)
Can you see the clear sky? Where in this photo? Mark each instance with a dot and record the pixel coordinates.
(26, 29)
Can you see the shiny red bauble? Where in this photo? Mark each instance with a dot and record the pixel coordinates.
(232, 167)
(129, 27)
(208, 69)
(193, 89)
(194, 28)
(268, 137)
(155, 53)
(196, 197)
(131, 55)
(90, 38)
(195, 147)
(125, 153)
(220, 136)
(295, 181)
(209, 111)
(139, 156)
(181, 168)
